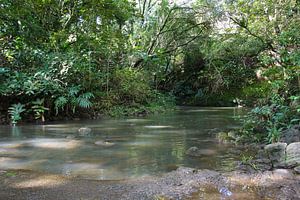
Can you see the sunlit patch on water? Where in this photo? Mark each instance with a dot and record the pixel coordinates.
(203, 110)
(144, 143)
(137, 120)
(54, 143)
(19, 163)
(14, 144)
(158, 127)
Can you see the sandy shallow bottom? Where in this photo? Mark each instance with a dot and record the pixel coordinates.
(183, 183)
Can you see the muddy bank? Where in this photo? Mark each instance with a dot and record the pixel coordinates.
(184, 183)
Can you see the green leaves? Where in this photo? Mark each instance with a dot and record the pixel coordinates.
(39, 109)
(83, 100)
(73, 100)
(15, 111)
(60, 103)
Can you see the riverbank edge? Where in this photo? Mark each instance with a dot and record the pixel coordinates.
(183, 183)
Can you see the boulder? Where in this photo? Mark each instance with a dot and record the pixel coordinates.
(83, 131)
(193, 151)
(276, 153)
(297, 170)
(282, 174)
(293, 154)
(291, 135)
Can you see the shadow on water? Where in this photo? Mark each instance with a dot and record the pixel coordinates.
(139, 147)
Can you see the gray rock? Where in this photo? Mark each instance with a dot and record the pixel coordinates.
(70, 137)
(263, 160)
(282, 173)
(291, 135)
(276, 153)
(297, 170)
(83, 131)
(193, 151)
(293, 153)
(261, 154)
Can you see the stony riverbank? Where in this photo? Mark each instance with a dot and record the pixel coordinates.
(183, 183)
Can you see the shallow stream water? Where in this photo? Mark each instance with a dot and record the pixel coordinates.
(135, 147)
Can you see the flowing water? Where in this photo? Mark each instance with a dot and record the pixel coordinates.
(121, 148)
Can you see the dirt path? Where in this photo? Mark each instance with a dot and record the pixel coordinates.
(184, 183)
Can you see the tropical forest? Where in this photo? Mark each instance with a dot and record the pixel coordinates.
(149, 99)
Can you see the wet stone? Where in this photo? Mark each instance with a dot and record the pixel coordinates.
(83, 131)
(293, 153)
(297, 170)
(276, 153)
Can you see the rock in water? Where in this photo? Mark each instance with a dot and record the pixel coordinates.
(222, 136)
(214, 131)
(276, 153)
(193, 151)
(293, 154)
(70, 137)
(83, 131)
(232, 135)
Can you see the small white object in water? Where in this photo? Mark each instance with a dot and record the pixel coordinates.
(104, 143)
(84, 131)
(225, 192)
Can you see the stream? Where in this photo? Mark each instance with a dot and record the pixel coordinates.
(138, 147)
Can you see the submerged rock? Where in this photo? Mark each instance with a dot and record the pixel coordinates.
(291, 135)
(214, 131)
(104, 143)
(83, 131)
(276, 153)
(195, 151)
(71, 137)
(293, 154)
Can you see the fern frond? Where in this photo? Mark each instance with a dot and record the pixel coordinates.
(73, 91)
(60, 103)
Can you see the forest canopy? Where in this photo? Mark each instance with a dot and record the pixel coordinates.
(62, 57)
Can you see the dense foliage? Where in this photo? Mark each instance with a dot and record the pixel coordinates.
(61, 57)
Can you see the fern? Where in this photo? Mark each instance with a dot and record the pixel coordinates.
(15, 112)
(74, 100)
(60, 103)
(73, 91)
(84, 100)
